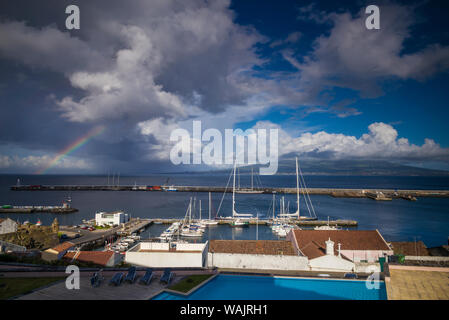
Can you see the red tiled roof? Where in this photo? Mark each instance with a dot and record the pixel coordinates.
(410, 248)
(349, 239)
(97, 257)
(271, 247)
(313, 250)
(63, 246)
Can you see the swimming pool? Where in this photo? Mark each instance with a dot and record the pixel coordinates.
(232, 287)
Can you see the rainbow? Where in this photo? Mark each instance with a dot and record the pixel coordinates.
(72, 147)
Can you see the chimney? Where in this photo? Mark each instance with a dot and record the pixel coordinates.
(330, 247)
(339, 250)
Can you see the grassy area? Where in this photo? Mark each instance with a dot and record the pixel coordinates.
(186, 284)
(11, 287)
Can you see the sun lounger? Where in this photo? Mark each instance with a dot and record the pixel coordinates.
(116, 279)
(131, 275)
(146, 279)
(94, 280)
(350, 276)
(167, 276)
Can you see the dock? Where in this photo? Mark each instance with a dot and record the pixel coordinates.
(334, 192)
(299, 222)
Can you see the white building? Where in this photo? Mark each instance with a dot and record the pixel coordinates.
(7, 226)
(330, 261)
(168, 255)
(111, 218)
(362, 248)
(255, 254)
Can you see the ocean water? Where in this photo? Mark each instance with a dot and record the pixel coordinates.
(230, 287)
(399, 220)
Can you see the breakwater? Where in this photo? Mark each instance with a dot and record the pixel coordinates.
(334, 192)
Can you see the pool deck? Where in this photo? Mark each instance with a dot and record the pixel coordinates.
(417, 283)
(125, 291)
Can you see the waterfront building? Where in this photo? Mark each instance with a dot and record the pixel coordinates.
(7, 226)
(329, 261)
(255, 255)
(56, 253)
(362, 247)
(111, 218)
(168, 255)
(101, 258)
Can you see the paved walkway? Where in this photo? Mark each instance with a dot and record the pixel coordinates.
(418, 284)
(125, 291)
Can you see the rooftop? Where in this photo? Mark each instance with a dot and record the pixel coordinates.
(411, 248)
(349, 239)
(97, 257)
(63, 246)
(269, 247)
(313, 250)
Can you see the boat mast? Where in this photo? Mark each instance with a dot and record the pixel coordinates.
(297, 188)
(274, 204)
(252, 183)
(190, 211)
(209, 204)
(200, 209)
(233, 192)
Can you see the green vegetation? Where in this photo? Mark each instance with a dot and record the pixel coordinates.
(190, 282)
(38, 261)
(102, 227)
(11, 287)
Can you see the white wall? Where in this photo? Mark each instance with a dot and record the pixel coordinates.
(8, 226)
(369, 255)
(256, 261)
(161, 257)
(331, 263)
(165, 259)
(367, 267)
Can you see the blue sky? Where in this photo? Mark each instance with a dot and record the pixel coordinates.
(309, 68)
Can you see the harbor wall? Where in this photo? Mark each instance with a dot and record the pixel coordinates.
(257, 261)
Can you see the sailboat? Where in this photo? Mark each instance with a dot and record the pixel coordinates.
(188, 229)
(249, 190)
(296, 215)
(237, 221)
(210, 222)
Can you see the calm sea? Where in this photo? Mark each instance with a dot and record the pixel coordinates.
(399, 220)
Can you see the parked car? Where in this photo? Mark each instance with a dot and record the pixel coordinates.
(91, 229)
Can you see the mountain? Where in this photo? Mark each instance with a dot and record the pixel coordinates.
(347, 168)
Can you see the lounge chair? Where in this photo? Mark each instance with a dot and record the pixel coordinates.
(146, 279)
(350, 276)
(116, 279)
(94, 280)
(131, 275)
(167, 276)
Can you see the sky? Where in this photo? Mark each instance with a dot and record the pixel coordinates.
(106, 98)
